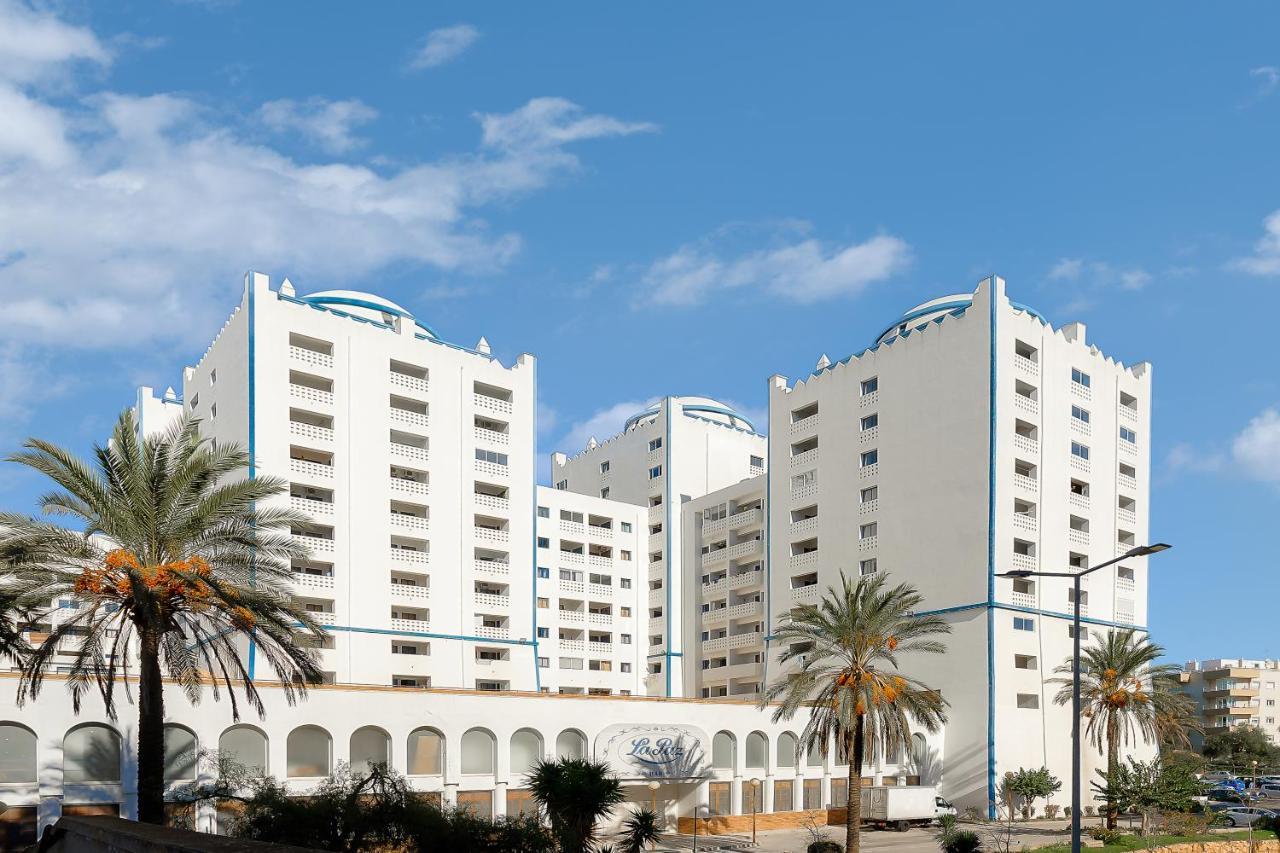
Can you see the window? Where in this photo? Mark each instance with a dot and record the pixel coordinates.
(624, 639)
(544, 512)
(492, 456)
(1080, 414)
(867, 567)
(544, 572)
(604, 467)
(655, 443)
(1023, 623)
(870, 386)
(604, 493)
(624, 555)
(757, 462)
(1024, 661)
(711, 513)
(571, 575)
(478, 748)
(870, 457)
(655, 472)
(626, 526)
(1028, 700)
(543, 603)
(1080, 450)
(571, 516)
(1025, 350)
(1079, 377)
(799, 481)
(871, 421)
(91, 754)
(307, 752)
(1128, 435)
(562, 485)
(369, 745)
(1084, 633)
(544, 542)
(626, 667)
(195, 401)
(245, 746)
(213, 377)
(624, 612)
(866, 531)
(869, 494)
(624, 583)
(544, 663)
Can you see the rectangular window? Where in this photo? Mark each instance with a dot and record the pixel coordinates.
(624, 556)
(544, 633)
(655, 472)
(867, 567)
(866, 531)
(757, 461)
(626, 667)
(1080, 414)
(624, 612)
(1128, 435)
(626, 526)
(870, 386)
(799, 481)
(491, 456)
(1023, 623)
(871, 421)
(1025, 661)
(1028, 700)
(604, 493)
(544, 542)
(544, 603)
(1080, 450)
(604, 467)
(624, 639)
(870, 457)
(544, 512)
(655, 443)
(544, 572)
(1079, 377)
(544, 663)
(869, 494)
(562, 485)
(1084, 633)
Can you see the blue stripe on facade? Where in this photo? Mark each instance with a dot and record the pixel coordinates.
(991, 559)
(427, 634)
(1053, 614)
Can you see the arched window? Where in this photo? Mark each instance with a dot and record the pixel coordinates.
(369, 746)
(571, 744)
(247, 747)
(788, 750)
(179, 754)
(478, 749)
(308, 752)
(424, 755)
(91, 753)
(17, 754)
(526, 749)
(757, 751)
(813, 757)
(722, 751)
(919, 750)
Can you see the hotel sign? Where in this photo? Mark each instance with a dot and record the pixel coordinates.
(654, 751)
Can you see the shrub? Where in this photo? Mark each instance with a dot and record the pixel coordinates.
(1105, 835)
(973, 814)
(1051, 810)
(962, 841)
(1186, 824)
(1066, 812)
(1089, 811)
(825, 847)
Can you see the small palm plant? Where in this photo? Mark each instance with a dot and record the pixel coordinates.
(575, 794)
(1124, 694)
(639, 830)
(847, 648)
(175, 562)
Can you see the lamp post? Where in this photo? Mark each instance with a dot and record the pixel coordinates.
(755, 806)
(654, 785)
(698, 811)
(1140, 551)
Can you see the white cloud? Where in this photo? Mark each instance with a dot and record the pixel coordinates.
(1068, 269)
(1256, 450)
(546, 124)
(36, 46)
(327, 124)
(443, 46)
(1099, 274)
(1265, 259)
(801, 270)
(1269, 77)
(602, 424)
(1186, 457)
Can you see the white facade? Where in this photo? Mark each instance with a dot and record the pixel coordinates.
(724, 540)
(1231, 692)
(972, 439)
(677, 449)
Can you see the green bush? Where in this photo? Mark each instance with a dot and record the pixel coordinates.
(1105, 835)
(1051, 810)
(1186, 824)
(824, 847)
(962, 841)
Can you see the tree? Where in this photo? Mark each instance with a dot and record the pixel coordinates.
(1123, 692)
(1239, 747)
(12, 646)
(1031, 785)
(847, 648)
(176, 562)
(639, 830)
(1148, 787)
(575, 794)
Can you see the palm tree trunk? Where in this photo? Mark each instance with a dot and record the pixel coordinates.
(1113, 761)
(853, 808)
(150, 730)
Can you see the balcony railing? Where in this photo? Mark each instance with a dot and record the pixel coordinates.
(492, 404)
(806, 594)
(805, 492)
(805, 525)
(410, 383)
(310, 356)
(492, 632)
(807, 459)
(1023, 599)
(310, 469)
(412, 487)
(804, 425)
(488, 599)
(409, 555)
(313, 543)
(1026, 444)
(414, 625)
(406, 416)
(1025, 521)
(1026, 404)
(311, 395)
(410, 522)
(493, 502)
(1022, 481)
(492, 567)
(410, 451)
(599, 532)
(410, 592)
(1077, 500)
(488, 534)
(493, 469)
(302, 580)
(1023, 561)
(799, 561)
(1026, 365)
(311, 431)
(310, 506)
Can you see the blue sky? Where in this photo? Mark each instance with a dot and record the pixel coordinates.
(668, 199)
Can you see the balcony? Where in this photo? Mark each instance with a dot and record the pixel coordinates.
(594, 648)
(868, 507)
(314, 544)
(1081, 391)
(492, 633)
(1077, 500)
(599, 618)
(413, 625)
(304, 581)
(311, 395)
(493, 502)
(311, 432)
(310, 356)
(1022, 481)
(572, 646)
(1023, 561)
(800, 561)
(488, 599)
(716, 586)
(867, 471)
(1077, 537)
(492, 469)
(1126, 482)
(310, 469)
(409, 451)
(405, 416)
(323, 618)
(1127, 515)
(492, 567)
(806, 425)
(1022, 599)
(1127, 413)
(409, 487)
(811, 594)
(746, 549)
(1125, 584)
(715, 614)
(868, 543)
(870, 435)
(745, 579)
(598, 532)
(410, 383)
(575, 617)
(746, 517)
(1078, 464)
(1128, 448)
(489, 534)
(804, 460)
(410, 522)
(309, 506)
(599, 561)
(806, 525)
(747, 608)
(410, 592)
(870, 399)
(577, 587)
(1025, 521)
(711, 558)
(1026, 365)
(1023, 403)
(728, 672)
(492, 404)
(572, 528)
(492, 436)
(804, 493)
(753, 638)
(599, 590)
(1026, 444)
(715, 644)
(410, 556)
(572, 557)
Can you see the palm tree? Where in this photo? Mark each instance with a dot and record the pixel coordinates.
(639, 830)
(1125, 695)
(574, 793)
(12, 645)
(848, 647)
(176, 563)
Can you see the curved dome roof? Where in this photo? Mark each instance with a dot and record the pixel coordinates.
(366, 304)
(940, 307)
(705, 407)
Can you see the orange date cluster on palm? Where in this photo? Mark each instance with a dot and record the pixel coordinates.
(121, 572)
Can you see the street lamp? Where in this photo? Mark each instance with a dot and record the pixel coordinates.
(654, 785)
(1140, 551)
(698, 811)
(755, 806)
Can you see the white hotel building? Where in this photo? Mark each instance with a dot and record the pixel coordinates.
(636, 598)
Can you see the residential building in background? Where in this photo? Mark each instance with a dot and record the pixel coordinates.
(678, 449)
(1232, 692)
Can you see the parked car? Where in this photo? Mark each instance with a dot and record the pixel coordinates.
(1229, 795)
(1245, 816)
(1218, 776)
(1270, 789)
